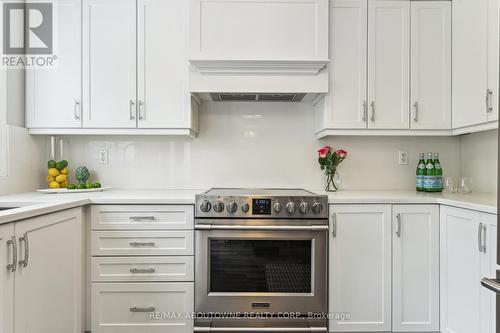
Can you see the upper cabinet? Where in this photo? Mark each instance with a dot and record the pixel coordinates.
(54, 96)
(135, 71)
(430, 65)
(109, 32)
(475, 62)
(390, 68)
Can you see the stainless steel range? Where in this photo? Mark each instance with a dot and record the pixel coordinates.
(261, 260)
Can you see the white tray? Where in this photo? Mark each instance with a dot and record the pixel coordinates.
(65, 190)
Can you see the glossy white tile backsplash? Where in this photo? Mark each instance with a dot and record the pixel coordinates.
(255, 145)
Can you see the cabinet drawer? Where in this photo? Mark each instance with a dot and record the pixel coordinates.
(142, 269)
(130, 307)
(134, 217)
(142, 243)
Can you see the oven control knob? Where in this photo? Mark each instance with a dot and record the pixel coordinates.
(277, 207)
(245, 207)
(291, 207)
(317, 207)
(205, 206)
(304, 207)
(219, 206)
(232, 207)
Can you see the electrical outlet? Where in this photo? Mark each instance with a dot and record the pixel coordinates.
(403, 157)
(103, 156)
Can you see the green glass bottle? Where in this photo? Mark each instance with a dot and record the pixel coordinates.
(421, 173)
(439, 173)
(430, 174)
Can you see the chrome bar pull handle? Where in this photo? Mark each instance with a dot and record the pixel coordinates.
(479, 237)
(372, 106)
(489, 94)
(77, 109)
(13, 265)
(133, 110)
(139, 244)
(483, 238)
(146, 309)
(334, 225)
(398, 231)
(24, 239)
(415, 112)
(365, 111)
(142, 271)
(142, 115)
(142, 218)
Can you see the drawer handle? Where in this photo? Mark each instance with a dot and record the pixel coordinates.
(142, 218)
(148, 309)
(137, 244)
(142, 271)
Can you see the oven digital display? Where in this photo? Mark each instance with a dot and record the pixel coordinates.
(261, 206)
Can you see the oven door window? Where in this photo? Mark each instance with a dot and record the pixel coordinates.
(268, 266)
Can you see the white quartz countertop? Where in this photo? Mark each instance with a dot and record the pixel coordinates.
(33, 204)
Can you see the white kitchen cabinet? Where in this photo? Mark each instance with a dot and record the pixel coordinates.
(7, 257)
(53, 96)
(431, 65)
(360, 267)
(475, 62)
(468, 253)
(109, 84)
(388, 64)
(163, 68)
(48, 280)
(345, 106)
(415, 296)
(128, 307)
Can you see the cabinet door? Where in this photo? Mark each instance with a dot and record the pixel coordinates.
(360, 267)
(493, 58)
(389, 64)
(109, 34)
(348, 29)
(7, 257)
(48, 288)
(431, 64)
(462, 262)
(415, 268)
(488, 299)
(470, 62)
(163, 68)
(53, 96)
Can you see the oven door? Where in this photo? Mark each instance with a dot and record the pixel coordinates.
(263, 270)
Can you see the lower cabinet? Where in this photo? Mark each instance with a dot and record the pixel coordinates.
(142, 307)
(384, 268)
(41, 290)
(468, 253)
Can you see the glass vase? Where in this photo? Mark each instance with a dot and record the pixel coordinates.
(332, 181)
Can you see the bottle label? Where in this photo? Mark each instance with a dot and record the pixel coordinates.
(429, 166)
(439, 182)
(429, 182)
(421, 166)
(437, 166)
(420, 182)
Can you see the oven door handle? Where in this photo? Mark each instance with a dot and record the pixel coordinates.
(260, 329)
(261, 227)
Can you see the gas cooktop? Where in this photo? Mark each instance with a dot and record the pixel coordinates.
(261, 203)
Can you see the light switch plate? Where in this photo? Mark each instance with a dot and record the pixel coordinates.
(103, 156)
(403, 157)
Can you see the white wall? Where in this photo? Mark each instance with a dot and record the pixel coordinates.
(479, 159)
(24, 156)
(256, 145)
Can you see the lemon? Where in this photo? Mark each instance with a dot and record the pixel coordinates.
(64, 171)
(50, 179)
(54, 185)
(64, 185)
(61, 178)
(54, 172)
